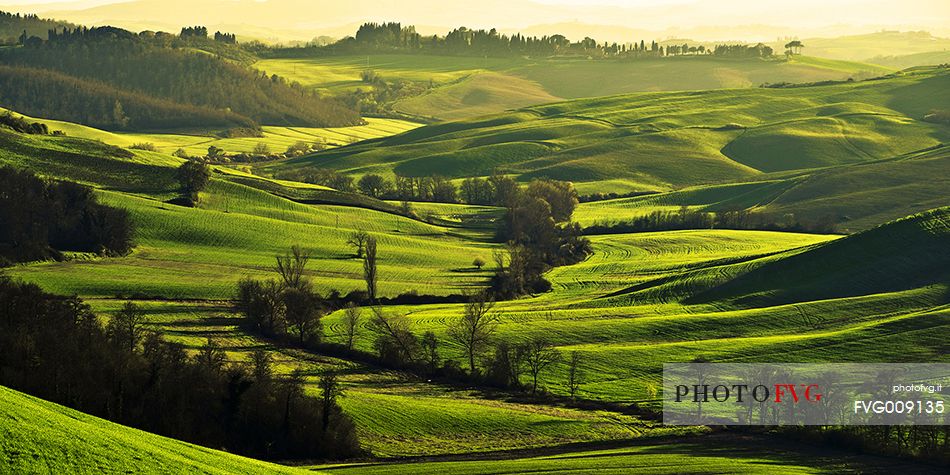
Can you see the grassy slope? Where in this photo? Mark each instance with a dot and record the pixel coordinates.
(37, 436)
(479, 94)
(196, 142)
(667, 140)
(902, 255)
(626, 309)
(497, 84)
(189, 253)
(396, 413)
(631, 306)
(858, 196)
(199, 253)
(579, 78)
(916, 59)
(717, 454)
(868, 47)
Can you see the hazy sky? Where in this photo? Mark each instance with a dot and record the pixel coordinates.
(788, 12)
(729, 19)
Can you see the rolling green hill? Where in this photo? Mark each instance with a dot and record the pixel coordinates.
(479, 94)
(91, 70)
(856, 196)
(662, 141)
(872, 45)
(195, 141)
(915, 59)
(469, 87)
(187, 246)
(694, 456)
(42, 437)
(902, 255)
(642, 299)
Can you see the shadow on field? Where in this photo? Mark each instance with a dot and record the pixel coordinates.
(765, 450)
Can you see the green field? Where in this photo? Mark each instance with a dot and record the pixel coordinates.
(857, 196)
(871, 46)
(915, 59)
(470, 87)
(196, 142)
(689, 456)
(810, 137)
(643, 290)
(41, 437)
(857, 150)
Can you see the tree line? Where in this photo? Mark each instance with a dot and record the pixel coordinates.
(496, 190)
(536, 226)
(14, 26)
(395, 37)
(150, 64)
(686, 218)
(56, 348)
(42, 219)
(261, 152)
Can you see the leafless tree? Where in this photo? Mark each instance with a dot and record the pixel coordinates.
(474, 329)
(394, 335)
(369, 268)
(538, 355)
(331, 389)
(573, 374)
(302, 312)
(126, 326)
(351, 324)
(291, 266)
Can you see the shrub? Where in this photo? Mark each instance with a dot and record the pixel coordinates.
(147, 146)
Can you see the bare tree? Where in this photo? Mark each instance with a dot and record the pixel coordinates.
(358, 240)
(430, 349)
(506, 365)
(126, 326)
(369, 268)
(302, 312)
(573, 374)
(538, 355)
(474, 329)
(262, 366)
(394, 338)
(331, 389)
(291, 265)
(351, 324)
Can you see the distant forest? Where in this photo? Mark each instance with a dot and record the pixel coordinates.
(14, 25)
(154, 80)
(393, 37)
(50, 94)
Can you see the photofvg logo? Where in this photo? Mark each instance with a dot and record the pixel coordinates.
(758, 393)
(805, 394)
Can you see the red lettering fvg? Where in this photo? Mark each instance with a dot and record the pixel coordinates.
(809, 392)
